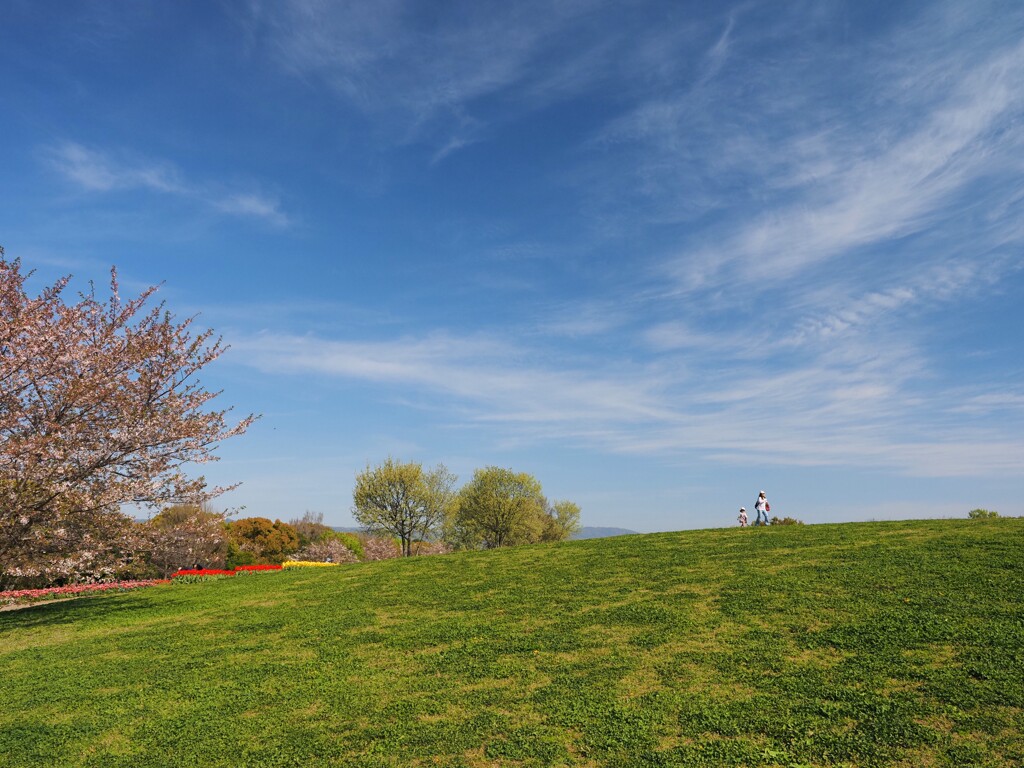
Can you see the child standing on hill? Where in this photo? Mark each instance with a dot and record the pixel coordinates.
(743, 517)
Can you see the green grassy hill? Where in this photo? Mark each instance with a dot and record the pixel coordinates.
(871, 644)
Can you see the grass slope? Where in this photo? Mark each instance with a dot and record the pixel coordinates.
(879, 644)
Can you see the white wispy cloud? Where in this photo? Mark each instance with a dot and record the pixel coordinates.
(786, 325)
(377, 57)
(475, 371)
(446, 77)
(781, 165)
(877, 198)
(850, 407)
(255, 205)
(843, 311)
(1004, 402)
(98, 170)
(581, 319)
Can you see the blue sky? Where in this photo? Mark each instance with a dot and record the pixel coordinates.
(659, 254)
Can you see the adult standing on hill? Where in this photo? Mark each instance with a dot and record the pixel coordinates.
(762, 507)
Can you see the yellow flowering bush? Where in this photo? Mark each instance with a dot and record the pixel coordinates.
(305, 564)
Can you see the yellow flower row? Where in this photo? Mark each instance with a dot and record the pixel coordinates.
(304, 564)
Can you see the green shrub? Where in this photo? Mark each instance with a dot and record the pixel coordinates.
(238, 556)
(270, 541)
(982, 514)
(786, 521)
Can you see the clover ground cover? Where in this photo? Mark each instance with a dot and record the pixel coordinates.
(881, 644)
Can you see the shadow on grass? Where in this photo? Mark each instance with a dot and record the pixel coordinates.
(100, 609)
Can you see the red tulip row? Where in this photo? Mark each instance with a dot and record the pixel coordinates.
(25, 595)
(13, 595)
(222, 572)
(202, 572)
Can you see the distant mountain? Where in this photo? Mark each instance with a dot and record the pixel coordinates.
(597, 532)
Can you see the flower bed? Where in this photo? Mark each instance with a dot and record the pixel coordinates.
(28, 595)
(241, 568)
(306, 564)
(181, 576)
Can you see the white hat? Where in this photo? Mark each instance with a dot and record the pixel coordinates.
(743, 509)
(760, 493)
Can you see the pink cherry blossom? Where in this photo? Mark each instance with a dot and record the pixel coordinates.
(100, 406)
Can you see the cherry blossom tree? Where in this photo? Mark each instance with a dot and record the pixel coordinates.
(326, 551)
(100, 406)
(185, 536)
(380, 548)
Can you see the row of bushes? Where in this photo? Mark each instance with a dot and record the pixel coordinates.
(186, 536)
(214, 542)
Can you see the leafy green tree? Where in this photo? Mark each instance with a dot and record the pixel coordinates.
(403, 500)
(982, 514)
(561, 522)
(269, 541)
(500, 508)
